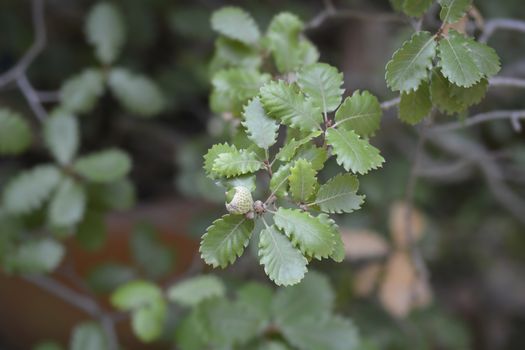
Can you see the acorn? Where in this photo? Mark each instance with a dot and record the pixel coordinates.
(239, 200)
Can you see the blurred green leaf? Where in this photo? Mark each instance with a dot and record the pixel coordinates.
(80, 93)
(104, 166)
(61, 136)
(137, 93)
(135, 294)
(88, 336)
(15, 133)
(91, 231)
(68, 204)
(148, 321)
(191, 292)
(35, 256)
(235, 23)
(105, 31)
(106, 277)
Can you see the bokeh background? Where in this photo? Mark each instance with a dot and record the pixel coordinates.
(474, 246)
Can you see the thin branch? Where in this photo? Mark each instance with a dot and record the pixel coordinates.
(479, 118)
(79, 301)
(390, 103)
(48, 96)
(38, 45)
(331, 12)
(507, 82)
(491, 26)
(31, 96)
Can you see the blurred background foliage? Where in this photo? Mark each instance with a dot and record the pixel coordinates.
(474, 246)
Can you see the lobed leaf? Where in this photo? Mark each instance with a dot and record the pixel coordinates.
(15, 133)
(288, 151)
(453, 10)
(61, 136)
(235, 23)
(361, 113)
(261, 129)
(456, 62)
(279, 181)
(409, 65)
(236, 163)
(352, 152)
(339, 195)
(322, 83)
(225, 240)
(104, 166)
(137, 93)
(313, 237)
(28, 191)
(79, 93)
(282, 101)
(485, 57)
(105, 31)
(416, 8)
(283, 263)
(213, 153)
(302, 180)
(289, 50)
(317, 156)
(415, 105)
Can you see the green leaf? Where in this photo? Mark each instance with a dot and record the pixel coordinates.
(352, 152)
(108, 276)
(339, 254)
(273, 345)
(135, 295)
(236, 163)
(289, 50)
(302, 180)
(104, 166)
(288, 151)
(67, 205)
(312, 298)
(105, 31)
(257, 298)
(117, 195)
(232, 53)
(282, 101)
(88, 336)
(91, 231)
(189, 334)
(339, 195)
(236, 24)
(225, 240)
(79, 93)
(456, 62)
(149, 253)
(261, 129)
(47, 345)
(305, 231)
(213, 153)
(148, 321)
(322, 83)
(414, 106)
(409, 65)
(453, 10)
(28, 191)
(334, 333)
(485, 57)
(233, 87)
(279, 181)
(137, 93)
(416, 8)
(317, 156)
(450, 98)
(247, 181)
(35, 256)
(61, 136)
(360, 113)
(283, 263)
(193, 291)
(15, 133)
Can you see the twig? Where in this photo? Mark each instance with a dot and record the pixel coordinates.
(35, 49)
(507, 82)
(48, 96)
(493, 25)
(80, 301)
(31, 96)
(475, 153)
(390, 103)
(479, 118)
(331, 12)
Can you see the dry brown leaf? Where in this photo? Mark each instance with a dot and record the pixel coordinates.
(363, 244)
(401, 290)
(398, 224)
(366, 279)
(460, 25)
